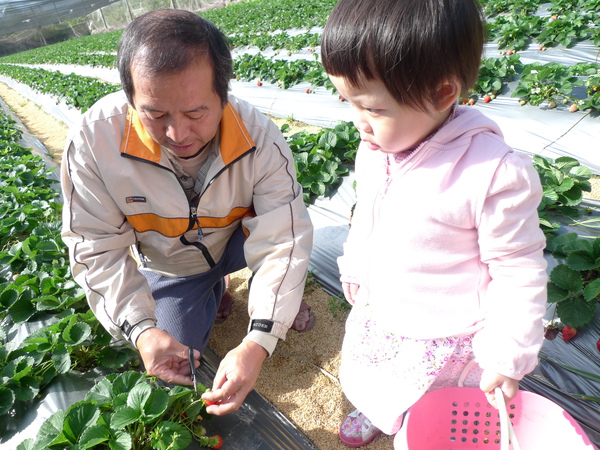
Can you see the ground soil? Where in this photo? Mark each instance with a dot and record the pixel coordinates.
(301, 378)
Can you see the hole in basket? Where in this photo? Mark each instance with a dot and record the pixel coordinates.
(455, 404)
(475, 431)
(478, 405)
(465, 413)
(466, 404)
(476, 423)
(513, 406)
(465, 422)
(496, 441)
(488, 414)
(453, 421)
(463, 439)
(475, 440)
(486, 441)
(464, 431)
(511, 415)
(477, 413)
(486, 432)
(454, 412)
(452, 439)
(452, 430)
(487, 423)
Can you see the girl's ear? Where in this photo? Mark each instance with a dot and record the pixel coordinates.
(446, 95)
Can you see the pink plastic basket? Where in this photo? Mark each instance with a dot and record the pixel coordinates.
(461, 418)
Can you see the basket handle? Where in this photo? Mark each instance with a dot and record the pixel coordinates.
(507, 432)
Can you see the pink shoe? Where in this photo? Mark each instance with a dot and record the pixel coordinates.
(356, 430)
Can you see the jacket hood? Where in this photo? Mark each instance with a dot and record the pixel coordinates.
(468, 122)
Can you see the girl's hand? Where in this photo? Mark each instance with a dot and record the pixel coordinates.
(350, 290)
(492, 380)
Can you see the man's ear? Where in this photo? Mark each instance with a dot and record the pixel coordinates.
(446, 95)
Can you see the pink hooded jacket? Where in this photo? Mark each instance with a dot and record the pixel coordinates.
(449, 244)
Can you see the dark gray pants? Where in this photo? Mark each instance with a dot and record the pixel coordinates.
(186, 307)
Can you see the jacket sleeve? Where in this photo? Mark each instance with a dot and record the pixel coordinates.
(511, 244)
(99, 240)
(279, 244)
(367, 178)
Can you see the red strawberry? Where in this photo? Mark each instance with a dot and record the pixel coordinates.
(573, 107)
(598, 345)
(464, 101)
(220, 444)
(209, 403)
(471, 101)
(308, 90)
(510, 52)
(259, 83)
(568, 333)
(487, 99)
(342, 99)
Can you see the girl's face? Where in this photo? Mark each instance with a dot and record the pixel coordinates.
(384, 124)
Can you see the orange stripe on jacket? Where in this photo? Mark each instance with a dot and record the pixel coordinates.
(175, 227)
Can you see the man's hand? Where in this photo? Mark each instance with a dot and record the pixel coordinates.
(235, 378)
(164, 357)
(491, 380)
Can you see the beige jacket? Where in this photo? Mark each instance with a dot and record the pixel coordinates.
(121, 192)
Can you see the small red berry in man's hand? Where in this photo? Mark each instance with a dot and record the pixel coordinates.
(568, 333)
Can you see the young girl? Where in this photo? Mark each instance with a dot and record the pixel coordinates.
(444, 260)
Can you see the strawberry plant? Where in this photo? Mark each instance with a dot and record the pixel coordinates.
(566, 29)
(592, 86)
(322, 159)
(262, 16)
(564, 181)
(574, 286)
(494, 73)
(93, 50)
(547, 82)
(514, 32)
(128, 411)
(277, 41)
(77, 91)
(492, 7)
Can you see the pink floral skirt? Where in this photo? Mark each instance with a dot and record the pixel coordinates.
(383, 373)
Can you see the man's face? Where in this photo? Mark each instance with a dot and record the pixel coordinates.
(180, 111)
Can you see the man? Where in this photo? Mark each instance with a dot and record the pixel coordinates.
(169, 186)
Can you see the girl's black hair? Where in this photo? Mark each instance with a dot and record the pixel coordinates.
(412, 46)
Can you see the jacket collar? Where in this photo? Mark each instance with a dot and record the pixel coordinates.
(235, 139)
